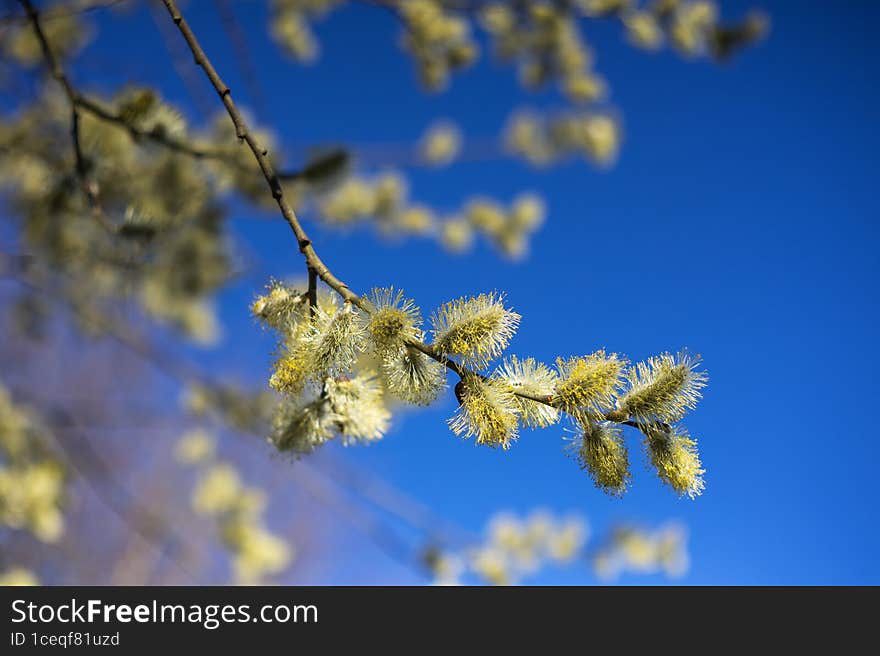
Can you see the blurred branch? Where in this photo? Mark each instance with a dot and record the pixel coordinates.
(65, 10)
(143, 521)
(261, 155)
(170, 366)
(376, 154)
(243, 58)
(157, 136)
(88, 186)
(385, 496)
(377, 532)
(178, 55)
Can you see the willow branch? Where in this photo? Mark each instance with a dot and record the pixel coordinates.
(81, 102)
(313, 262)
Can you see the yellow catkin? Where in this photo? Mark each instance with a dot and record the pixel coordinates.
(488, 412)
(601, 452)
(675, 456)
(476, 329)
(588, 383)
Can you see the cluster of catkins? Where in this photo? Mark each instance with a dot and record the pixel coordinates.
(439, 41)
(339, 364)
(32, 479)
(512, 549)
(631, 549)
(238, 509)
(65, 32)
(545, 140)
(162, 240)
(291, 28)
(543, 38)
(508, 228)
(546, 42)
(384, 199)
(693, 27)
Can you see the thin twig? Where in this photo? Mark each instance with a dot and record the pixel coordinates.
(180, 60)
(249, 73)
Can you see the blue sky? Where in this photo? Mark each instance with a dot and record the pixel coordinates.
(740, 221)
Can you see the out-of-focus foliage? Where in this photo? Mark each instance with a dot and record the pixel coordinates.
(629, 549)
(166, 247)
(291, 25)
(543, 38)
(65, 32)
(542, 140)
(18, 576)
(32, 477)
(438, 39)
(515, 548)
(441, 144)
(238, 509)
